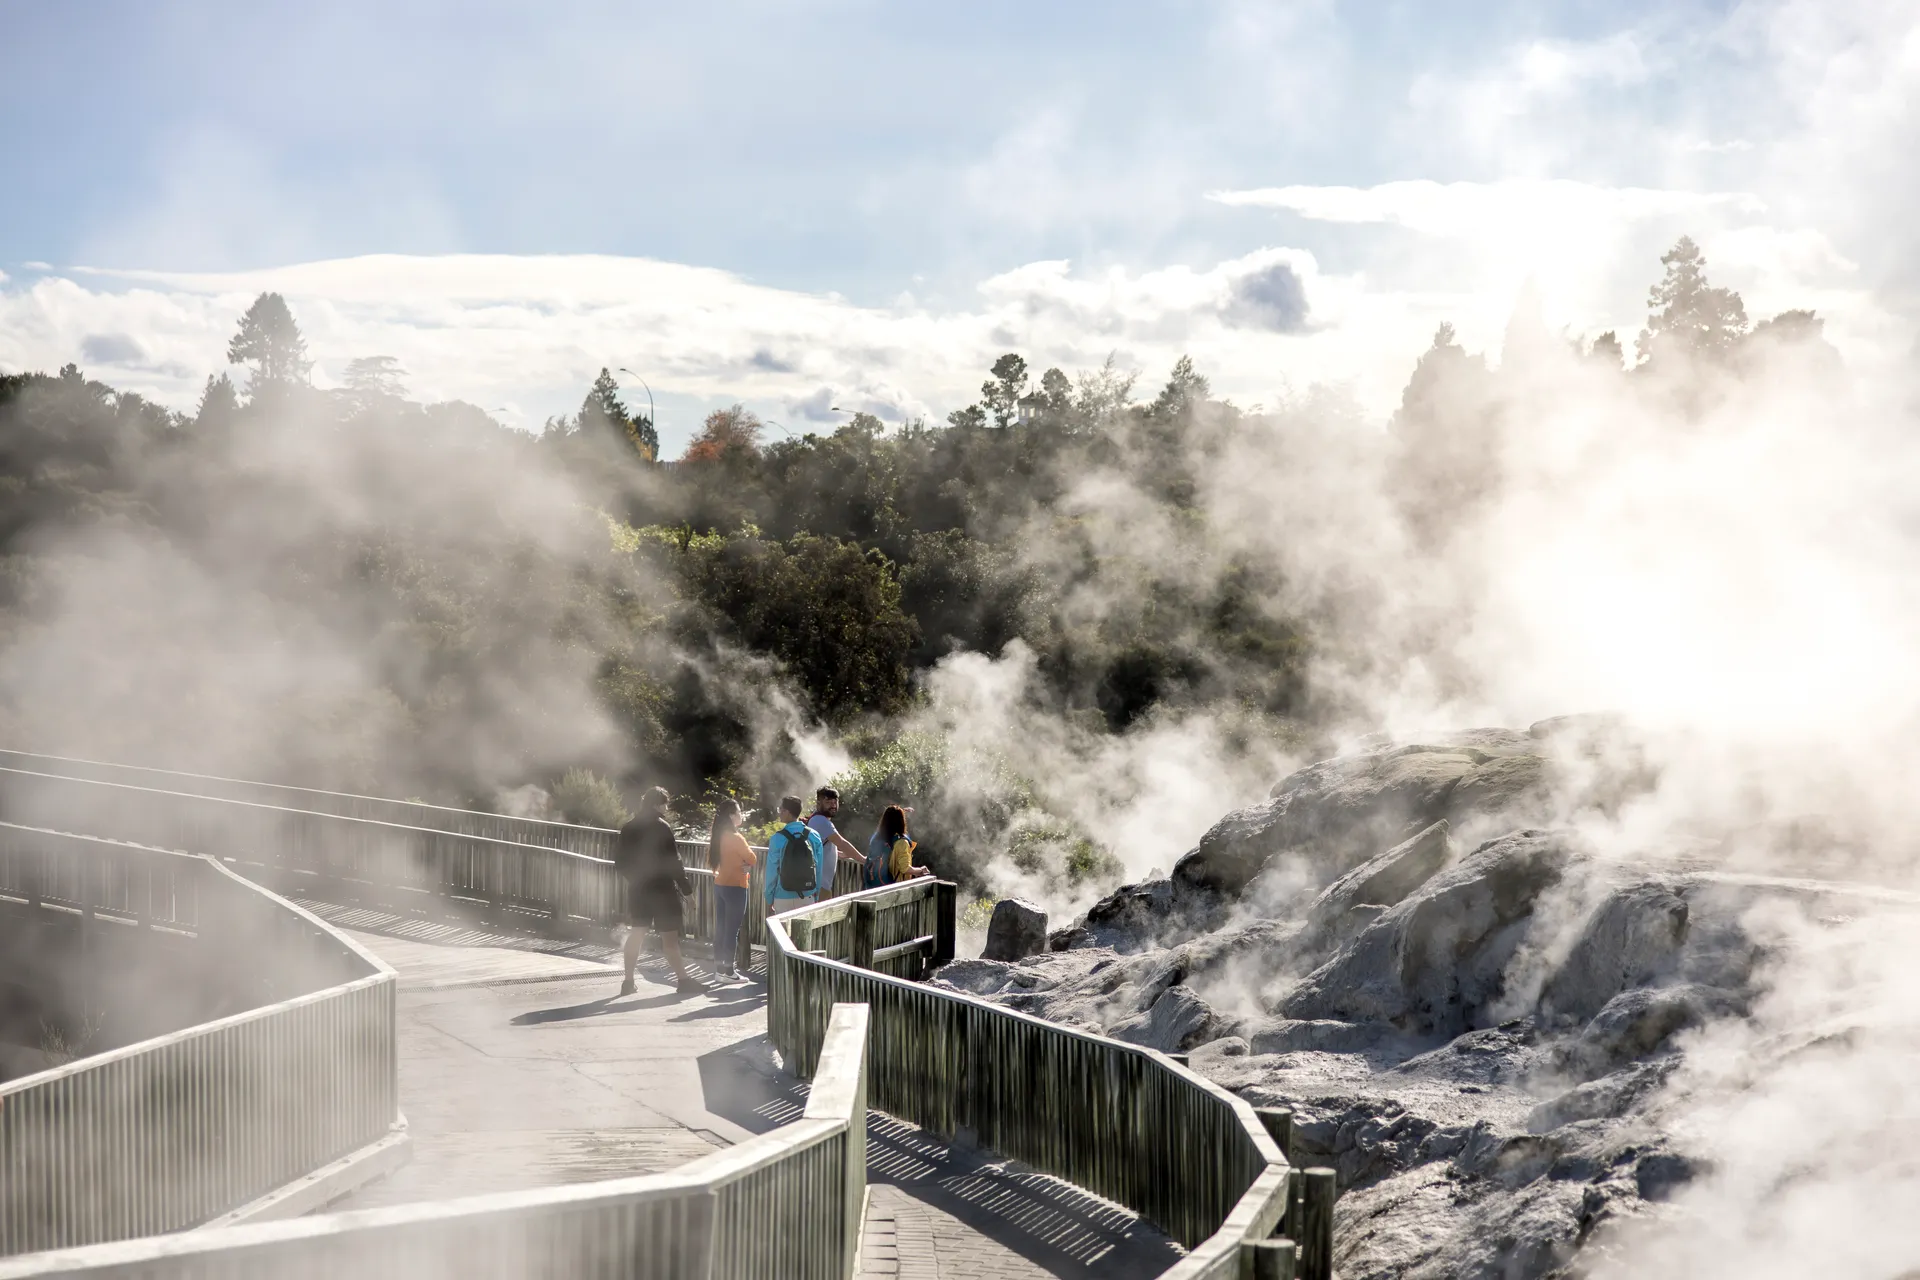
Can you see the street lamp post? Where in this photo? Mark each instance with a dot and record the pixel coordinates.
(652, 421)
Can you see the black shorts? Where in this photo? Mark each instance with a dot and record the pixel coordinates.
(655, 905)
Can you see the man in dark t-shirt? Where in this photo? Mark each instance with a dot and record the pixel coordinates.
(647, 861)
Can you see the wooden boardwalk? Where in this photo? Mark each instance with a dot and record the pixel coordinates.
(521, 1067)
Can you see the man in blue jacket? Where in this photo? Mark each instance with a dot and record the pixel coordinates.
(796, 861)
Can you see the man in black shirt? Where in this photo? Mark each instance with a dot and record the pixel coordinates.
(645, 857)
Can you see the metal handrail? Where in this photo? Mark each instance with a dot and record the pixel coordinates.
(1124, 1122)
(173, 1130)
(785, 1204)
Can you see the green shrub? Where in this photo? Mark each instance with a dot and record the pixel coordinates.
(978, 915)
(583, 796)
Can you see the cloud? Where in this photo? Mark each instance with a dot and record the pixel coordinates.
(1474, 209)
(1270, 298)
(531, 331)
(767, 362)
(112, 348)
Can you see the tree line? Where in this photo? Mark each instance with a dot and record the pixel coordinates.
(825, 573)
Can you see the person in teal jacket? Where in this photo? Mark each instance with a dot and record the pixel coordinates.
(784, 884)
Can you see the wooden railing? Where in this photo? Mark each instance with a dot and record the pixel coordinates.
(1121, 1121)
(171, 1131)
(1118, 1120)
(332, 856)
(595, 841)
(700, 913)
(341, 858)
(782, 1206)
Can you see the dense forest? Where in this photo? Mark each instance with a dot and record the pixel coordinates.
(348, 587)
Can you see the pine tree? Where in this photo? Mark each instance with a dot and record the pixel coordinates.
(1183, 391)
(270, 341)
(373, 376)
(1003, 390)
(1688, 315)
(218, 403)
(603, 412)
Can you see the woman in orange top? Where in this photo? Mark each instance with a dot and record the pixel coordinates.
(733, 861)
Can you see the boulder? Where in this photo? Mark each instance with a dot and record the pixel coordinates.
(1340, 812)
(1632, 938)
(1607, 1098)
(1431, 963)
(1636, 1023)
(1385, 880)
(1178, 1020)
(1017, 930)
(1132, 906)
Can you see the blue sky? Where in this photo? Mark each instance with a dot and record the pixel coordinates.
(897, 158)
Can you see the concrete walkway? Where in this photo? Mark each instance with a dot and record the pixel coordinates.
(521, 1067)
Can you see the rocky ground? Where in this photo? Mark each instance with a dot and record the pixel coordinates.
(1471, 1008)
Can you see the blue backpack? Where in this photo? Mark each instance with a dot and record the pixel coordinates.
(876, 873)
(797, 873)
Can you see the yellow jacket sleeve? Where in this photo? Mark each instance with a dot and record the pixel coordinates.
(900, 861)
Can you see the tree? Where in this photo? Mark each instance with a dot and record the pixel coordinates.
(376, 376)
(218, 403)
(270, 341)
(1448, 433)
(733, 432)
(1104, 393)
(1686, 314)
(1056, 393)
(1002, 392)
(829, 611)
(1183, 391)
(971, 418)
(601, 412)
(1795, 337)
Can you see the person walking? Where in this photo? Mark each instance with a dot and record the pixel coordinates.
(645, 857)
(900, 846)
(733, 861)
(796, 861)
(826, 806)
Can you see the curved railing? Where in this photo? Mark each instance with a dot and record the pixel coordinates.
(339, 857)
(781, 1206)
(176, 1129)
(1121, 1121)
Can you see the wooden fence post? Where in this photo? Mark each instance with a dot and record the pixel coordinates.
(1314, 1231)
(860, 935)
(945, 900)
(1270, 1259)
(1279, 1125)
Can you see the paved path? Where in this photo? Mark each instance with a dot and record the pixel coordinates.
(520, 1067)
